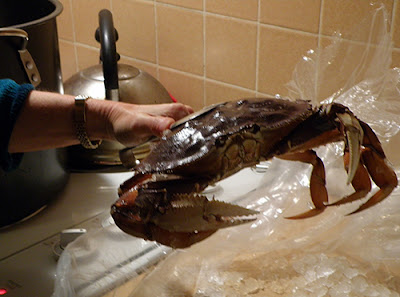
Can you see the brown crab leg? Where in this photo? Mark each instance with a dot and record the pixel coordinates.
(361, 182)
(319, 194)
(383, 176)
(375, 166)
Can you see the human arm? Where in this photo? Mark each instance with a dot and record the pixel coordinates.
(46, 121)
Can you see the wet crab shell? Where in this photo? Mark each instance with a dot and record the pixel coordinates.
(197, 142)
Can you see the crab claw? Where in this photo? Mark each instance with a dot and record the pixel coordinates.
(354, 135)
(185, 220)
(195, 213)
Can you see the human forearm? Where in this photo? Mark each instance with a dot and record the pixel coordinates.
(47, 121)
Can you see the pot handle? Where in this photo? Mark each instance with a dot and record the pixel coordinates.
(108, 52)
(26, 59)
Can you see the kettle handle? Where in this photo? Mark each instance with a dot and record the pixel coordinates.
(107, 36)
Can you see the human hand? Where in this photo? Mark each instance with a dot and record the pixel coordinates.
(132, 124)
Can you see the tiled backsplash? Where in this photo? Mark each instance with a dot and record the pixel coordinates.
(206, 51)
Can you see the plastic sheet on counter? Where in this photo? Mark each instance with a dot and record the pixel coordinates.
(328, 255)
(102, 260)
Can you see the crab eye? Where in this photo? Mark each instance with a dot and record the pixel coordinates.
(221, 141)
(255, 128)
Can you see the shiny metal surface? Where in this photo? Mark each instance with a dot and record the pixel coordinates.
(129, 85)
(135, 85)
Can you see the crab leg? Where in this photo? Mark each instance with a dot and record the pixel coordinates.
(319, 194)
(383, 176)
(375, 166)
(361, 182)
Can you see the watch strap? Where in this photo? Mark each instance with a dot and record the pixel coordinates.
(80, 123)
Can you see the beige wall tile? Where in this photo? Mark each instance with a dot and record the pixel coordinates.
(280, 50)
(396, 27)
(195, 4)
(135, 23)
(296, 14)
(68, 59)
(218, 92)
(186, 89)
(231, 51)
(86, 56)
(86, 19)
(350, 18)
(237, 8)
(64, 22)
(180, 39)
(396, 58)
(148, 67)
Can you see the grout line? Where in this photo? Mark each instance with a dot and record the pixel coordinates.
(87, 46)
(204, 54)
(200, 77)
(320, 22)
(258, 45)
(319, 45)
(288, 29)
(156, 37)
(139, 61)
(230, 85)
(394, 9)
(181, 7)
(74, 37)
(261, 94)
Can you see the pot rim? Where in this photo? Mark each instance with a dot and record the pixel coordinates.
(58, 8)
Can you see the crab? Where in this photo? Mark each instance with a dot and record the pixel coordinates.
(162, 201)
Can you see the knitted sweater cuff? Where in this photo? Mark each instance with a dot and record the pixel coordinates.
(12, 99)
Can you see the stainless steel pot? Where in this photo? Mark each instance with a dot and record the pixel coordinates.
(29, 30)
(112, 81)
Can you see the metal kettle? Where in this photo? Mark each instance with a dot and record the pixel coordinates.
(110, 80)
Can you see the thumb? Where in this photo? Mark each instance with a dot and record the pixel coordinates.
(160, 124)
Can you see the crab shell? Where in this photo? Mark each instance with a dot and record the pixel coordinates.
(159, 201)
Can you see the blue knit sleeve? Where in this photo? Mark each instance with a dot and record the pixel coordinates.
(12, 98)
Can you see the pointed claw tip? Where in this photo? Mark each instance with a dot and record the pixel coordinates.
(231, 222)
(308, 214)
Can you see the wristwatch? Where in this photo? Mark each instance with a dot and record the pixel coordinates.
(80, 123)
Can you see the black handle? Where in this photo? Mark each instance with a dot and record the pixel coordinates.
(107, 36)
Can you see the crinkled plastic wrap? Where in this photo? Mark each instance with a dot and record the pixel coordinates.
(102, 260)
(328, 255)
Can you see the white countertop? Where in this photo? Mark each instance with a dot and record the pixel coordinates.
(85, 196)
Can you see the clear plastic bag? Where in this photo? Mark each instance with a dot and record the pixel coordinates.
(102, 260)
(328, 255)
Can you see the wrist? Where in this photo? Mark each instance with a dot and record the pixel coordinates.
(97, 119)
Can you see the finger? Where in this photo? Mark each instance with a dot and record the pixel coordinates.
(172, 110)
(148, 125)
(160, 124)
(131, 131)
